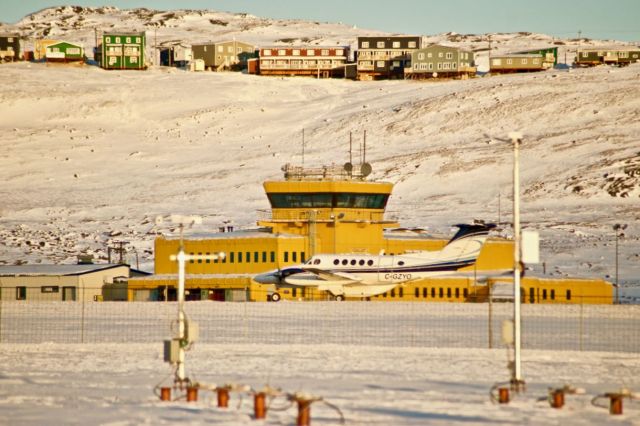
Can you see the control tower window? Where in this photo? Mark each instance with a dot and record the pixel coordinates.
(328, 200)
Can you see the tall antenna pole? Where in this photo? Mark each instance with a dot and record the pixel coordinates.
(303, 147)
(350, 149)
(364, 149)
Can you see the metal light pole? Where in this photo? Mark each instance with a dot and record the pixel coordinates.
(618, 228)
(516, 138)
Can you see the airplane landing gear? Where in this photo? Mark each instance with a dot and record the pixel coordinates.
(275, 297)
(340, 298)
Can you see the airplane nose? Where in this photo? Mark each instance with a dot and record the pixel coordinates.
(271, 277)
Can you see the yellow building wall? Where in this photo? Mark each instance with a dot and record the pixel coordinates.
(562, 290)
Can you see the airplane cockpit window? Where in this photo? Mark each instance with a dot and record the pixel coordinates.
(401, 262)
(316, 261)
(336, 262)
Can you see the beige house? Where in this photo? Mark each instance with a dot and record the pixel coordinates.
(58, 282)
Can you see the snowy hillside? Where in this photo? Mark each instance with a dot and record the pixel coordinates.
(89, 156)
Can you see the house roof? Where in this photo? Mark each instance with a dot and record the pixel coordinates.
(516, 55)
(254, 233)
(305, 47)
(211, 43)
(65, 42)
(54, 270)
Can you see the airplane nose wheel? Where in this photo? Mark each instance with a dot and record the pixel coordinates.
(275, 297)
(340, 298)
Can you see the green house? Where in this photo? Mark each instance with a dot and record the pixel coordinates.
(616, 55)
(549, 55)
(64, 52)
(123, 51)
(439, 61)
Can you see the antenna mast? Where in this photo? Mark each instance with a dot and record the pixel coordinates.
(364, 150)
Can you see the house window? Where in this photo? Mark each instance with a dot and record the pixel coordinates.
(239, 50)
(324, 52)
(117, 39)
(282, 52)
(453, 65)
(420, 55)
(412, 45)
(396, 45)
(430, 55)
(524, 61)
(380, 64)
(220, 49)
(311, 52)
(380, 45)
(21, 293)
(396, 63)
(440, 55)
(10, 39)
(536, 61)
(585, 54)
(449, 55)
(138, 40)
(229, 49)
(430, 65)
(365, 45)
(50, 289)
(267, 52)
(128, 40)
(296, 52)
(107, 39)
(339, 52)
(439, 65)
(496, 62)
(509, 61)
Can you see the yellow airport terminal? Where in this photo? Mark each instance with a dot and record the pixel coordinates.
(336, 210)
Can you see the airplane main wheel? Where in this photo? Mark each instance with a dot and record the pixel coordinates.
(340, 298)
(275, 297)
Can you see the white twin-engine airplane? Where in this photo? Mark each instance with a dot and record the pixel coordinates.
(364, 275)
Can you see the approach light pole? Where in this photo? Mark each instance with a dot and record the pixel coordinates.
(618, 228)
(187, 330)
(516, 380)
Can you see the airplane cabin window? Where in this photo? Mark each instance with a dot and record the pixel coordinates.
(361, 263)
(401, 263)
(345, 261)
(353, 261)
(316, 261)
(370, 262)
(336, 262)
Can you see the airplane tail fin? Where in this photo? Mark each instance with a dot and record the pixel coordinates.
(467, 242)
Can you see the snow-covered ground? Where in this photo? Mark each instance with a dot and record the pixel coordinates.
(112, 384)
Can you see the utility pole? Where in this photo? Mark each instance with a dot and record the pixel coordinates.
(516, 380)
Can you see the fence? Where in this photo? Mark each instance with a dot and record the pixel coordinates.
(585, 326)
